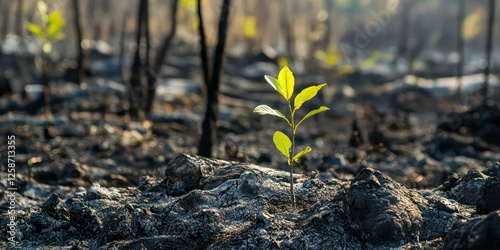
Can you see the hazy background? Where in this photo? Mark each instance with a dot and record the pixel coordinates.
(329, 32)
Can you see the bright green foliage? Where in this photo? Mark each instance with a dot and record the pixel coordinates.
(334, 60)
(250, 26)
(282, 61)
(50, 29)
(370, 62)
(284, 85)
(283, 144)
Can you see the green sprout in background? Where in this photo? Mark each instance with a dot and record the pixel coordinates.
(47, 32)
(284, 85)
(50, 29)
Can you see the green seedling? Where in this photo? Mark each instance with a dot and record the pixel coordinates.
(47, 32)
(284, 85)
(50, 29)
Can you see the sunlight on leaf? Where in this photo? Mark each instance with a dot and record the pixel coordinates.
(282, 61)
(473, 24)
(311, 113)
(287, 82)
(302, 153)
(370, 62)
(306, 95)
(46, 48)
(43, 8)
(274, 83)
(266, 110)
(55, 23)
(282, 143)
(344, 70)
(249, 26)
(36, 30)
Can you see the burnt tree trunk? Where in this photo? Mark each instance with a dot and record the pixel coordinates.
(123, 33)
(136, 81)
(160, 57)
(489, 45)
(402, 48)
(5, 19)
(203, 47)
(148, 71)
(76, 22)
(288, 29)
(460, 45)
(209, 126)
(45, 83)
(19, 18)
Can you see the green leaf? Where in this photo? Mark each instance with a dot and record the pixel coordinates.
(42, 7)
(311, 113)
(306, 95)
(286, 82)
(36, 30)
(283, 144)
(266, 110)
(249, 26)
(55, 23)
(369, 62)
(282, 61)
(301, 153)
(274, 82)
(46, 47)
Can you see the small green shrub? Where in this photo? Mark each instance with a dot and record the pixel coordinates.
(50, 29)
(285, 85)
(47, 32)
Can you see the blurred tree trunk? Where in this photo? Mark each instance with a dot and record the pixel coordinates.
(488, 49)
(460, 45)
(6, 4)
(93, 18)
(105, 21)
(19, 18)
(160, 57)
(123, 32)
(45, 83)
(402, 48)
(288, 29)
(76, 22)
(209, 126)
(136, 82)
(148, 70)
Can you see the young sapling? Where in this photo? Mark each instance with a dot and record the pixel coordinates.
(48, 32)
(285, 85)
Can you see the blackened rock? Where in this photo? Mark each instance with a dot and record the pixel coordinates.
(480, 233)
(185, 172)
(493, 171)
(467, 189)
(383, 209)
(482, 122)
(337, 161)
(75, 169)
(489, 196)
(84, 218)
(50, 206)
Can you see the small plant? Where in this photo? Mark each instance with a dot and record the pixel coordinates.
(284, 85)
(50, 29)
(48, 32)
